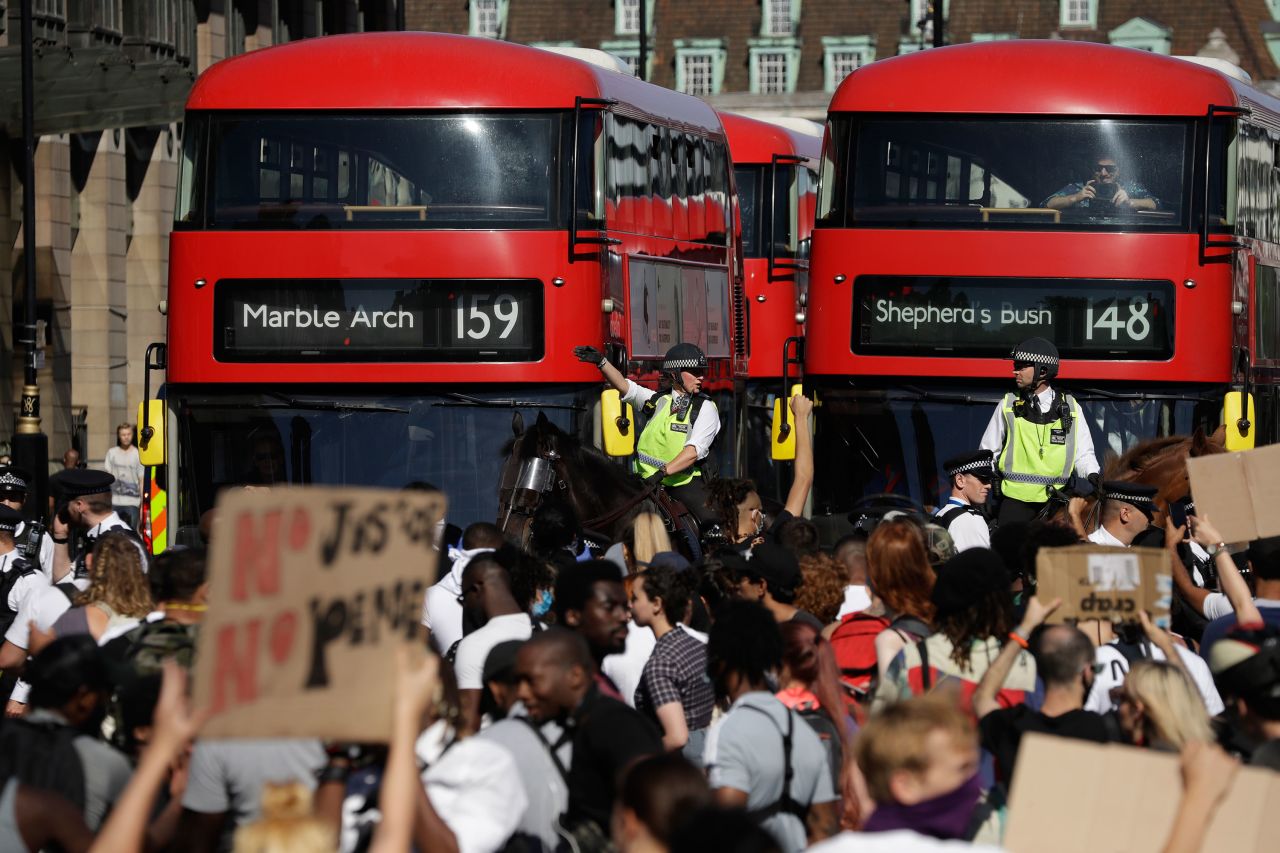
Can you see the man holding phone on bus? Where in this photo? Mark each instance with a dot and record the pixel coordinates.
(1104, 192)
(1038, 435)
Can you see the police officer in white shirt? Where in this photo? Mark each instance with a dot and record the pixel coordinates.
(15, 485)
(962, 514)
(87, 496)
(1127, 510)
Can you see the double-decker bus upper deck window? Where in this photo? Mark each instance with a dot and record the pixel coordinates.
(358, 170)
(978, 172)
(748, 180)
(190, 185)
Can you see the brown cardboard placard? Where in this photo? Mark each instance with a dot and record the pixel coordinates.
(1071, 795)
(1238, 492)
(310, 592)
(1101, 582)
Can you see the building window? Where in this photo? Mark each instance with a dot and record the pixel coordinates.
(779, 17)
(628, 17)
(629, 52)
(1078, 13)
(843, 54)
(771, 72)
(1273, 6)
(699, 66)
(775, 63)
(1142, 34)
(920, 20)
(910, 44)
(489, 18)
(992, 36)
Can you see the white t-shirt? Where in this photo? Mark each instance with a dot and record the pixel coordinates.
(626, 668)
(476, 789)
(897, 841)
(704, 429)
(1102, 536)
(967, 530)
(24, 585)
(1115, 667)
(125, 466)
(856, 599)
(43, 606)
(474, 649)
(441, 612)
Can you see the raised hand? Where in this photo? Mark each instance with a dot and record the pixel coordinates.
(591, 355)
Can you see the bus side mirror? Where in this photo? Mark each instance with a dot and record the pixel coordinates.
(151, 421)
(1238, 417)
(617, 424)
(783, 446)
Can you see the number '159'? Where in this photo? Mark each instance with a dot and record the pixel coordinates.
(477, 320)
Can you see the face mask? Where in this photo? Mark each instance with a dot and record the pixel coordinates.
(942, 817)
(543, 604)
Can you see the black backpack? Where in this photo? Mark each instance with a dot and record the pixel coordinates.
(832, 741)
(8, 580)
(43, 755)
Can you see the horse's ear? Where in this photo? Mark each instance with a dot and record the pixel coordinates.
(542, 419)
(517, 424)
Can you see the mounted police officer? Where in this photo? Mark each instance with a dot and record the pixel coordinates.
(1038, 435)
(971, 475)
(683, 422)
(33, 540)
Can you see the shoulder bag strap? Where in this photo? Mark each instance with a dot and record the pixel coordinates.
(551, 750)
(926, 676)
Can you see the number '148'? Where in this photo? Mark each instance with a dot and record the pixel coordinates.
(1137, 327)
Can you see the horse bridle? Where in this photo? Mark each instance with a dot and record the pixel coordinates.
(522, 494)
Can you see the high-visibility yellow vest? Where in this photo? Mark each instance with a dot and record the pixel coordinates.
(1036, 456)
(662, 440)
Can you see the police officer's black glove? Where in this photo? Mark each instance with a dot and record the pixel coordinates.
(655, 477)
(1081, 487)
(591, 355)
(1095, 479)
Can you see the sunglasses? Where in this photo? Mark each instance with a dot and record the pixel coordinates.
(1109, 169)
(699, 372)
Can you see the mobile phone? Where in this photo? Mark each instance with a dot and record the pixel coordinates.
(1104, 191)
(1178, 513)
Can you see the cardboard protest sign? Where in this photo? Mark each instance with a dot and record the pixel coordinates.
(1100, 582)
(1238, 492)
(310, 592)
(1071, 795)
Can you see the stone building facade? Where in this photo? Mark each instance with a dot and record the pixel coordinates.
(111, 80)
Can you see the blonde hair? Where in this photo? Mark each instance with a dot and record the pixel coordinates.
(288, 824)
(117, 577)
(895, 739)
(1170, 701)
(650, 537)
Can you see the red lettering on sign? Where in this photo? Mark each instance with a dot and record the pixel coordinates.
(283, 631)
(257, 555)
(237, 663)
(299, 529)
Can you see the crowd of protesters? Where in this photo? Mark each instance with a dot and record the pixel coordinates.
(776, 693)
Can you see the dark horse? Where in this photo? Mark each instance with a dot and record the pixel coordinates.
(1159, 462)
(544, 463)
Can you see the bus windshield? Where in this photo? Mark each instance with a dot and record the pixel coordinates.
(351, 171)
(995, 172)
(895, 440)
(452, 441)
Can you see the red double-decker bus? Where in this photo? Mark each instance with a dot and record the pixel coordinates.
(775, 167)
(387, 244)
(954, 221)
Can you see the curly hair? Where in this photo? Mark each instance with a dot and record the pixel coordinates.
(898, 568)
(723, 497)
(117, 577)
(822, 586)
(990, 616)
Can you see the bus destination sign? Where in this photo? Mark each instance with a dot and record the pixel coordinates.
(387, 320)
(1126, 319)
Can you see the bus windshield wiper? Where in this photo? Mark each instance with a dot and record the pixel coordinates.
(915, 393)
(456, 399)
(1142, 395)
(330, 406)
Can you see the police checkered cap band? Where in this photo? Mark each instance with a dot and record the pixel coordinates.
(9, 526)
(8, 480)
(1034, 357)
(683, 363)
(976, 465)
(1130, 497)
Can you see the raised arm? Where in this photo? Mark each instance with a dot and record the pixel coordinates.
(611, 374)
(802, 482)
(1229, 577)
(984, 698)
(1187, 588)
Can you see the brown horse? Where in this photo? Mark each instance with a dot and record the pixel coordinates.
(1159, 462)
(546, 464)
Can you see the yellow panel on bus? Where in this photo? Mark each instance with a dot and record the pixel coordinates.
(617, 424)
(1234, 408)
(783, 447)
(151, 447)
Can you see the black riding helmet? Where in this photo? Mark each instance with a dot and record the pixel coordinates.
(684, 356)
(1039, 352)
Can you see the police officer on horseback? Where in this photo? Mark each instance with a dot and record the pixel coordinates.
(1038, 435)
(683, 422)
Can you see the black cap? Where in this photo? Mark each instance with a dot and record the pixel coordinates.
(1136, 494)
(1038, 351)
(78, 482)
(14, 479)
(776, 565)
(500, 665)
(685, 357)
(671, 559)
(9, 519)
(978, 463)
(966, 578)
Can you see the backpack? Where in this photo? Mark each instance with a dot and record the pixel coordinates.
(143, 651)
(827, 731)
(854, 644)
(43, 755)
(8, 580)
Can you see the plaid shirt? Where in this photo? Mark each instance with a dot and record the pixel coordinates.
(677, 672)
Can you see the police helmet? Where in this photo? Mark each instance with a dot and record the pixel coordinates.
(1040, 352)
(684, 357)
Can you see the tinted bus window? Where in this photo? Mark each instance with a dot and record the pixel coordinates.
(748, 180)
(379, 171)
(1001, 173)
